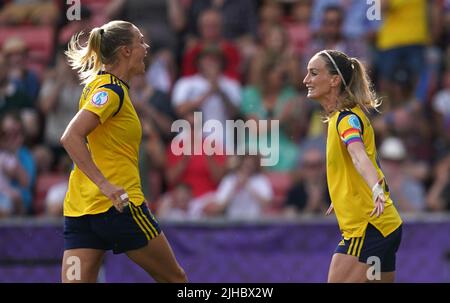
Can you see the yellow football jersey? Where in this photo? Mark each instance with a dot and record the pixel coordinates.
(349, 192)
(114, 147)
(405, 24)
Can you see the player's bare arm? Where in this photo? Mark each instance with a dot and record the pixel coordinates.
(366, 169)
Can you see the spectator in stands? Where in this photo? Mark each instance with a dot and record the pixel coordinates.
(330, 35)
(240, 18)
(10, 199)
(58, 101)
(298, 27)
(152, 160)
(174, 205)
(161, 19)
(201, 172)
(243, 194)
(240, 26)
(17, 165)
(15, 51)
(5, 205)
(38, 12)
(408, 193)
(14, 127)
(153, 105)
(309, 192)
(399, 108)
(273, 99)
(406, 118)
(441, 18)
(441, 103)
(438, 197)
(33, 127)
(216, 95)
(270, 14)
(11, 98)
(156, 114)
(401, 40)
(44, 159)
(54, 199)
(162, 71)
(210, 36)
(275, 47)
(355, 24)
(50, 172)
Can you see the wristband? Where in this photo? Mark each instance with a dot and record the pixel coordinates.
(377, 190)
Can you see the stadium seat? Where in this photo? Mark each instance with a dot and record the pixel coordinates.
(39, 39)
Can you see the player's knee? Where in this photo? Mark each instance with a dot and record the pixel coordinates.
(332, 278)
(179, 276)
(174, 276)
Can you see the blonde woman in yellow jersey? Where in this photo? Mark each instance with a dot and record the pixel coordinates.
(367, 217)
(104, 208)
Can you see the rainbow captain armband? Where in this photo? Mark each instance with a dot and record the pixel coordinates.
(351, 135)
(350, 127)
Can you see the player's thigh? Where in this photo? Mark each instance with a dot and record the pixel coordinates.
(385, 277)
(81, 265)
(388, 277)
(347, 269)
(158, 259)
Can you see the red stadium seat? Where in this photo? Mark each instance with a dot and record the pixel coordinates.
(281, 182)
(96, 6)
(39, 39)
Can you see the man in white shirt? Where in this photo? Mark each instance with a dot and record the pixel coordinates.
(209, 91)
(243, 194)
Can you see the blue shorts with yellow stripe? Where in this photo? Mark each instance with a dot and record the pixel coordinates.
(373, 243)
(121, 232)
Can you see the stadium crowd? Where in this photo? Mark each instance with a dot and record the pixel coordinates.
(230, 60)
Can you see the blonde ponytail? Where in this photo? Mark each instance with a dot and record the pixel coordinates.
(86, 59)
(100, 49)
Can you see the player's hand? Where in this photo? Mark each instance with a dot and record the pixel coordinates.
(378, 197)
(329, 210)
(379, 205)
(116, 194)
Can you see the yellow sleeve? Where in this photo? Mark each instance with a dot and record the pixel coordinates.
(350, 129)
(103, 102)
(394, 4)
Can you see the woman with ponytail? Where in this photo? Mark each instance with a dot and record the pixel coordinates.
(369, 222)
(105, 208)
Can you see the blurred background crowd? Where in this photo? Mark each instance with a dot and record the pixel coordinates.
(230, 59)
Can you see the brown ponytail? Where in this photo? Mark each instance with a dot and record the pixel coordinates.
(356, 88)
(360, 90)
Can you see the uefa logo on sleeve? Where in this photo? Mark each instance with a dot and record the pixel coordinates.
(99, 99)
